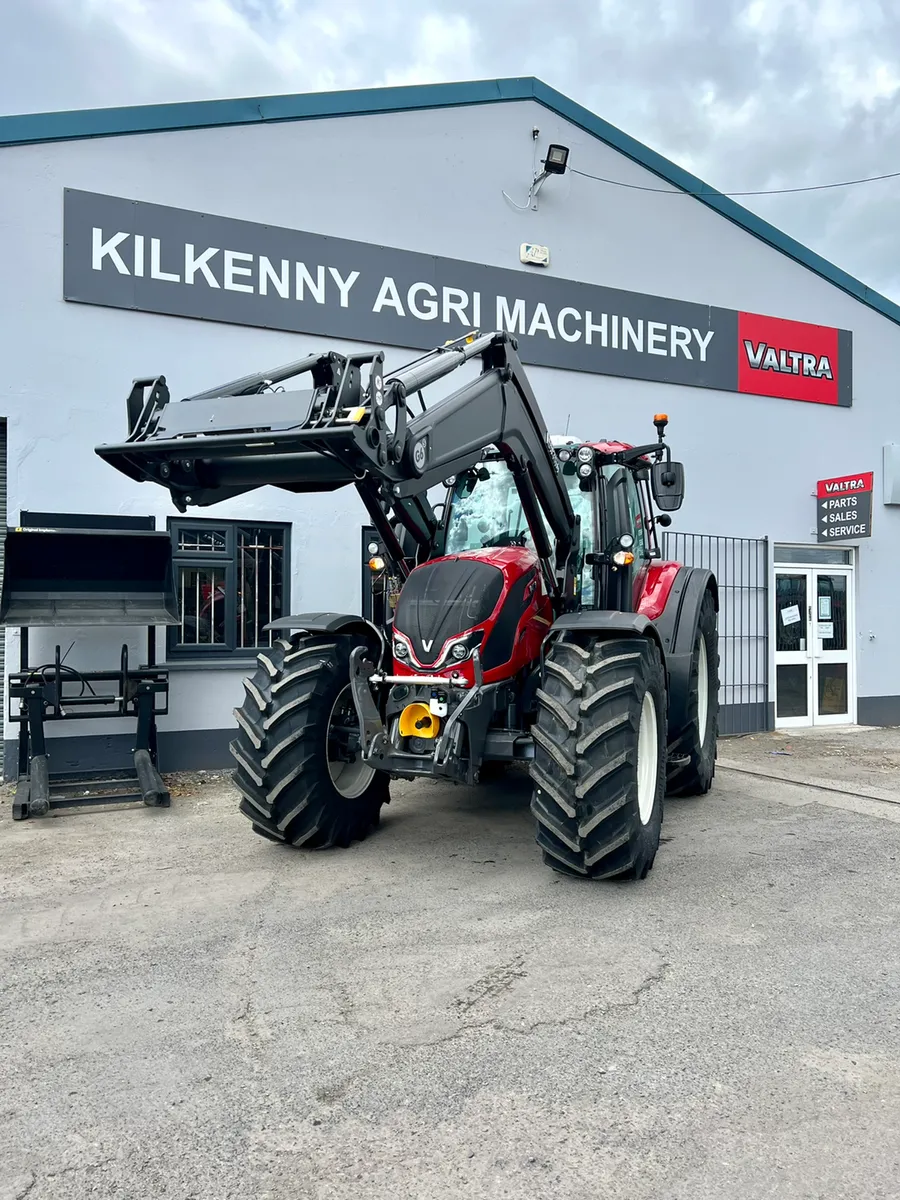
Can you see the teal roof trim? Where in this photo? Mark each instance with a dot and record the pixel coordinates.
(31, 128)
(207, 114)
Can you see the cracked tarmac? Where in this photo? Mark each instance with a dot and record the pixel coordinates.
(195, 1014)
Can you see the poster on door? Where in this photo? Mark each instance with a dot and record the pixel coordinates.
(844, 509)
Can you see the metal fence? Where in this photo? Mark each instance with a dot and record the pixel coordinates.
(741, 567)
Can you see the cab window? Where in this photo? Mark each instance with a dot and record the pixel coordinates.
(636, 515)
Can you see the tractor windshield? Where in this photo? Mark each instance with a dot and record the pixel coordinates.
(486, 511)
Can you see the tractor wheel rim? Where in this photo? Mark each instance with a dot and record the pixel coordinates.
(350, 779)
(647, 759)
(702, 691)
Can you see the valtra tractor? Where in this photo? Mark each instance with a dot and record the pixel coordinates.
(532, 620)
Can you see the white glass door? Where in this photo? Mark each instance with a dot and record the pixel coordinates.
(793, 690)
(834, 701)
(814, 683)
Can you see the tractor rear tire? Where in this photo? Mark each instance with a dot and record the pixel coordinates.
(297, 735)
(692, 749)
(600, 758)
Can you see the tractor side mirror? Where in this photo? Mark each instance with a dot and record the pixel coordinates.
(667, 482)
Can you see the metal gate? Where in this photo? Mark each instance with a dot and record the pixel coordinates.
(741, 567)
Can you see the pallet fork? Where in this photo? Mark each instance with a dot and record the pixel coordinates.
(48, 694)
(80, 571)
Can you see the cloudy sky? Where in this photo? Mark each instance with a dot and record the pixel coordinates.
(745, 93)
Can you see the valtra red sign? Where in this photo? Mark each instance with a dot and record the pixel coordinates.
(845, 484)
(793, 360)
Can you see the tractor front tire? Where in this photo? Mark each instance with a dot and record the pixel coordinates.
(298, 749)
(600, 758)
(692, 749)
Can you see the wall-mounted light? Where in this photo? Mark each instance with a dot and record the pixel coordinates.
(555, 163)
(556, 160)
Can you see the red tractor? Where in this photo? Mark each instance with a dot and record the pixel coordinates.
(532, 620)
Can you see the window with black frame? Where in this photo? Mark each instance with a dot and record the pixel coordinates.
(231, 580)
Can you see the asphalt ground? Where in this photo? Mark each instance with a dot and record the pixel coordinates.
(192, 1013)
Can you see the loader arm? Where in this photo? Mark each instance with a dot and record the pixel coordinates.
(252, 433)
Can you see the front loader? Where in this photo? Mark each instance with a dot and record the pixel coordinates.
(534, 621)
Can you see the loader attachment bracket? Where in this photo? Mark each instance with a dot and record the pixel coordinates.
(251, 432)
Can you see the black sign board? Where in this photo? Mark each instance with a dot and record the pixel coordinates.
(151, 258)
(844, 508)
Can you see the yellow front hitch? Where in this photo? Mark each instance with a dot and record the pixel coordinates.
(417, 720)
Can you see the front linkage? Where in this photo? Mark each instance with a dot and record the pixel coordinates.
(464, 707)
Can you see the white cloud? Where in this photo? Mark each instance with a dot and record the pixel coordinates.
(443, 48)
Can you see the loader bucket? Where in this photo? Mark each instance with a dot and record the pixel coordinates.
(87, 577)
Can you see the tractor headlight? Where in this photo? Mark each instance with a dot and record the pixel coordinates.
(585, 470)
(585, 454)
(626, 541)
(400, 649)
(459, 651)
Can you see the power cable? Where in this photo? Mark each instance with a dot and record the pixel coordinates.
(816, 187)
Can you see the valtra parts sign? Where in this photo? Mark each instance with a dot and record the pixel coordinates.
(844, 507)
(150, 258)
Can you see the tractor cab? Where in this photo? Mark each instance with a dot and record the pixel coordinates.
(611, 499)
